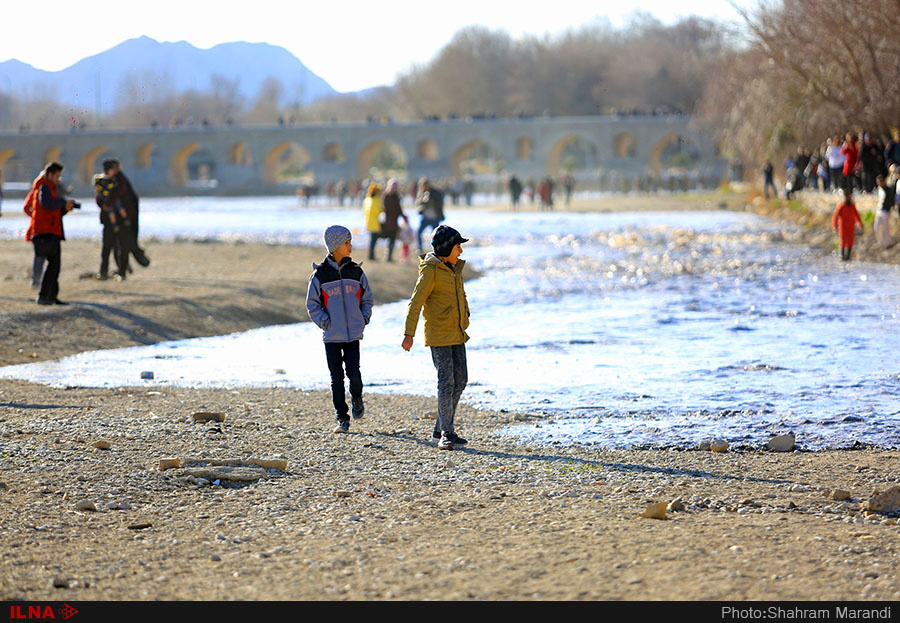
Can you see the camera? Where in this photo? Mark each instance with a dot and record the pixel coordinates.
(76, 205)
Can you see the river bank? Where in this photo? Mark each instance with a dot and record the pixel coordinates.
(812, 211)
(191, 289)
(380, 513)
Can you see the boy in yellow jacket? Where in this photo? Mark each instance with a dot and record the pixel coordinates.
(439, 289)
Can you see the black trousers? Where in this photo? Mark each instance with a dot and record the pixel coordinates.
(50, 281)
(343, 355)
(374, 238)
(110, 245)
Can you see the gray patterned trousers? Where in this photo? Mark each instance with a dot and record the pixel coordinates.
(452, 376)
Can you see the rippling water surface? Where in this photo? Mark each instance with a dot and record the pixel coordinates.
(655, 328)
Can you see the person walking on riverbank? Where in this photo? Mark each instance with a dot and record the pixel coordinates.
(124, 196)
(372, 216)
(886, 198)
(431, 208)
(46, 229)
(835, 163)
(844, 222)
(515, 191)
(439, 289)
(850, 151)
(768, 172)
(112, 219)
(339, 301)
(391, 214)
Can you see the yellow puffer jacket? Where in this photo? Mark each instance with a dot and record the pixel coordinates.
(372, 213)
(440, 290)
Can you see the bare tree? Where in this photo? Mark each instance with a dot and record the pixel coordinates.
(811, 70)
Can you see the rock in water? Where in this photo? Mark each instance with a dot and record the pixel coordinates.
(782, 443)
(885, 502)
(713, 445)
(655, 511)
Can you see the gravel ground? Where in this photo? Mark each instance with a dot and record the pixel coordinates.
(382, 514)
(86, 513)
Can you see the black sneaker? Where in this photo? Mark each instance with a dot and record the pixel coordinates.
(359, 409)
(342, 427)
(456, 439)
(58, 302)
(445, 443)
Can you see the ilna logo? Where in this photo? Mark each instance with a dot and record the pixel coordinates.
(20, 612)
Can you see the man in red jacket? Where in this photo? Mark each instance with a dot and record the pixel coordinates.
(47, 210)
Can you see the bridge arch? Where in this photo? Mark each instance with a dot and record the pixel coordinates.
(427, 149)
(475, 156)
(285, 162)
(87, 165)
(52, 154)
(524, 148)
(6, 154)
(673, 149)
(144, 155)
(625, 145)
(571, 152)
(380, 157)
(239, 154)
(333, 152)
(178, 167)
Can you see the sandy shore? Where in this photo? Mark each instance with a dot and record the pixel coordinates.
(378, 513)
(190, 290)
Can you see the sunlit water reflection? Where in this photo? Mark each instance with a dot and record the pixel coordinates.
(648, 329)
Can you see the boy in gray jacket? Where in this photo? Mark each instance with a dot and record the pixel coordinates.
(339, 302)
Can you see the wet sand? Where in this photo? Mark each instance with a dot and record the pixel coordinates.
(378, 513)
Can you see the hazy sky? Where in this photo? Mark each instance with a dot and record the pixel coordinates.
(351, 44)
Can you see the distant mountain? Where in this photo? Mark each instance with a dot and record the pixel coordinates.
(135, 67)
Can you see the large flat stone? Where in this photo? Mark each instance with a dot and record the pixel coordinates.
(227, 472)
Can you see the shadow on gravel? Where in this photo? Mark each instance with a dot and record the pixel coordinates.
(595, 465)
(17, 405)
(161, 333)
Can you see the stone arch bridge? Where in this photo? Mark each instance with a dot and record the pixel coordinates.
(247, 159)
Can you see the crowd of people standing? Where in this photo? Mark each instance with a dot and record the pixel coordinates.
(854, 161)
(869, 165)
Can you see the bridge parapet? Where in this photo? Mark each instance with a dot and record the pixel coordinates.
(273, 159)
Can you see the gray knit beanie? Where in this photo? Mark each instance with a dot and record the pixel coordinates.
(335, 236)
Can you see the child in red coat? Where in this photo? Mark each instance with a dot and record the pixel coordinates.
(844, 221)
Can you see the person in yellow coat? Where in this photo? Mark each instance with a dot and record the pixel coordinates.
(439, 290)
(372, 215)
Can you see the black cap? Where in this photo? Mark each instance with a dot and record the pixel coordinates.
(444, 238)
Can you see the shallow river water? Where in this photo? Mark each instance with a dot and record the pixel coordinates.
(645, 329)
